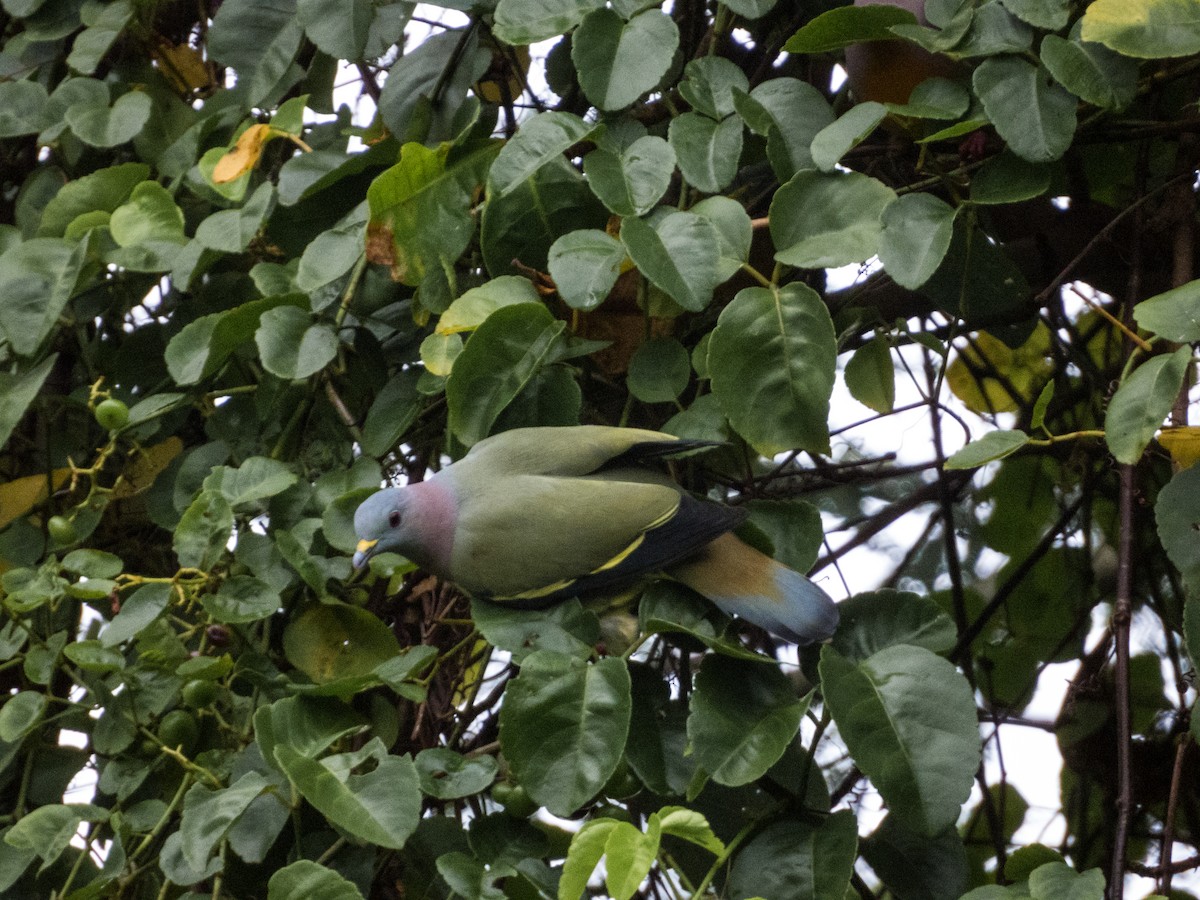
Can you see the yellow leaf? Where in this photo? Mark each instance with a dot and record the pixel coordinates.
(19, 496)
(245, 154)
(990, 377)
(145, 467)
(1182, 443)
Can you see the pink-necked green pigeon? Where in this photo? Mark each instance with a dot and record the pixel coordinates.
(536, 515)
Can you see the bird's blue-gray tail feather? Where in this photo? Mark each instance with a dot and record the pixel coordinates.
(744, 582)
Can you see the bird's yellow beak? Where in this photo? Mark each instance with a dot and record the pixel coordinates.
(363, 552)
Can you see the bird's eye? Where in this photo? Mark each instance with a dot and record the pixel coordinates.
(394, 518)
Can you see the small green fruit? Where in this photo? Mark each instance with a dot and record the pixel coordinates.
(112, 414)
(179, 730)
(62, 530)
(199, 693)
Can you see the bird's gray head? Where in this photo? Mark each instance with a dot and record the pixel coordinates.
(380, 523)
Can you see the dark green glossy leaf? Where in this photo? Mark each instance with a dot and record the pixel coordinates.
(1092, 72)
(877, 620)
(447, 775)
(17, 392)
(846, 25)
(1009, 179)
(584, 265)
(743, 717)
(563, 727)
(1032, 112)
(308, 880)
(37, 279)
(504, 353)
(708, 151)
(771, 359)
(798, 859)
(708, 84)
(821, 220)
(1142, 402)
(521, 22)
(678, 253)
(1177, 511)
(908, 719)
(540, 140)
(836, 139)
(915, 236)
(381, 806)
(203, 531)
(618, 61)
(632, 182)
(292, 345)
(659, 371)
(565, 628)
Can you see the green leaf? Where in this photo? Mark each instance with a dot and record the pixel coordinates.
(1009, 179)
(18, 391)
(563, 727)
(523, 224)
(446, 775)
(992, 446)
(870, 373)
(1149, 29)
(427, 86)
(259, 41)
(468, 312)
(789, 113)
(877, 620)
(908, 719)
(837, 138)
(669, 607)
(331, 255)
(393, 411)
(241, 598)
(522, 22)
(632, 182)
(37, 278)
(915, 236)
(382, 806)
(584, 265)
(821, 220)
(1092, 72)
(1142, 401)
(751, 9)
(1058, 881)
(794, 858)
(734, 230)
(150, 214)
(204, 345)
(708, 151)
(439, 351)
(308, 880)
(141, 608)
(1050, 15)
(105, 189)
(292, 346)
(203, 531)
(912, 865)
(679, 255)
(336, 641)
(209, 813)
(20, 714)
(1173, 314)
(104, 27)
(541, 139)
(933, 98)
(419, 215)
(47, 830)
(1177, 511)
(994, 30)
(794, 528)
(1034, 114)
(659, 370)
(342, 30)
(232, 230)
(257, 478)
(846, 25)
(512, 346)
(772, 358)
(103, 126)
(565, 628)
(22, 108)
(306, 725)
(618, 61)
(743, 717)
(708, 84)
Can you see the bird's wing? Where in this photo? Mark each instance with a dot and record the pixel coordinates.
(540, 538)
(569, 451)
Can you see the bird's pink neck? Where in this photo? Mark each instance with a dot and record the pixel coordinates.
(433, 509)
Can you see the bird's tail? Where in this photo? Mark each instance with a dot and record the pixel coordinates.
(743, 582)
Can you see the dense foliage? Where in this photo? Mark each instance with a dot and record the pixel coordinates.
(231, 307)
